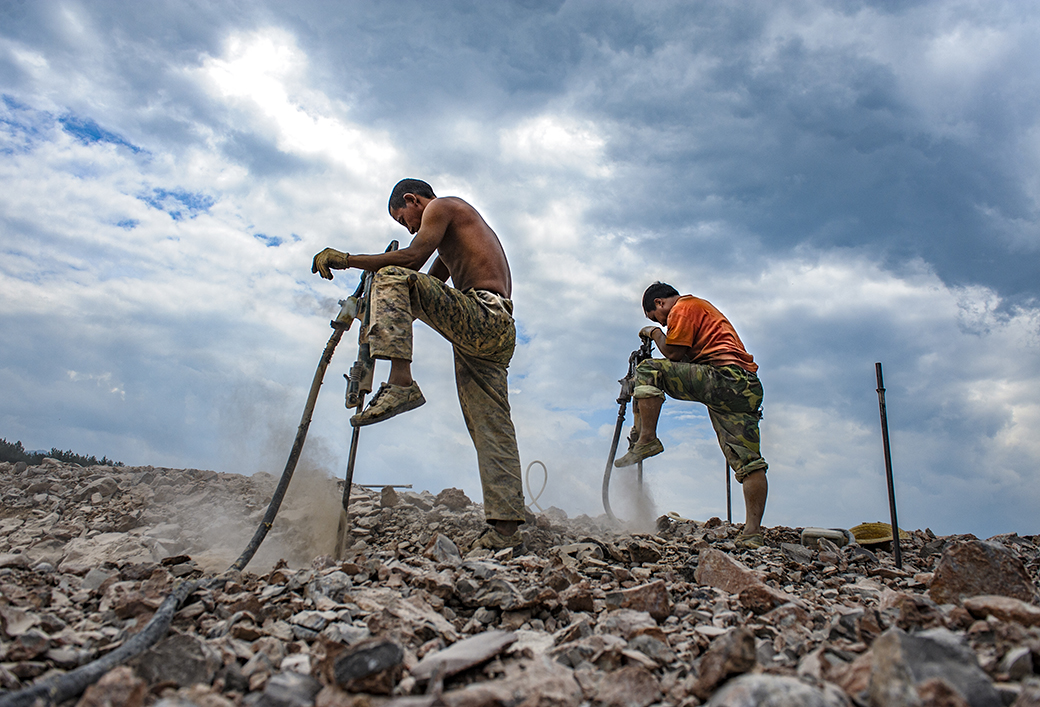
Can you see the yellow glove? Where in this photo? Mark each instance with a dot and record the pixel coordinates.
(647, 332)
(328, 260)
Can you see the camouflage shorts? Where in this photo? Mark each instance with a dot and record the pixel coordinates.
(733, 397)
(480, 327)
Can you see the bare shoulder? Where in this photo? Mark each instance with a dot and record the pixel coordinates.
(451, 205)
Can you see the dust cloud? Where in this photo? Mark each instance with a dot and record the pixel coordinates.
(257, 427)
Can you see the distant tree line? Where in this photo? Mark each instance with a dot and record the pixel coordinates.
(15, 452)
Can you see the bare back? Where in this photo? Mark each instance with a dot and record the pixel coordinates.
(469, 249)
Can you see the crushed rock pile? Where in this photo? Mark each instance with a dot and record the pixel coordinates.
(588, 615)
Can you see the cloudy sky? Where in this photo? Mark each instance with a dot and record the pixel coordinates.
(849, 182)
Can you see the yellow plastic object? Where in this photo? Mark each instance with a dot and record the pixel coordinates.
(875, 533)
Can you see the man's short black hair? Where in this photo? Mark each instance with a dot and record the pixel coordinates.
(658, 290)
(409, 186)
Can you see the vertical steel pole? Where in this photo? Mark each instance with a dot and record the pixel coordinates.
(352, 456)
(888, 466)
(729, 498)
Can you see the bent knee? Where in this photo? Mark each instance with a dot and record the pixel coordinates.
(647, 391)
(394, 271)
(747, 471)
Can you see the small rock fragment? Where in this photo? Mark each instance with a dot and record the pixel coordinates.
(374, 667)
(119, 686)
(730, 654)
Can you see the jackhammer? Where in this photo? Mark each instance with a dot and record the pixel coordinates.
(359, 384)
(644, 352)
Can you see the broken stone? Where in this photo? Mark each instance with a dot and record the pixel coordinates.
(732, 653)
(631, 686)
(388, 497)
(289, 689)
(27, 646)
(15, 621)
(936, 692)
(95, 578)
(775, 691)
(719, 570)
(1004, 608)
(1029, 695)
(1017, 663)
(499, 594)
(12, 560)
(453, 498)
(799, 554)
(181, 659)
(901, 662)
(118, 686)
(975, 567)
(565, 600)
(442, 550)
(463, 654)
(535, 682)
(652, 598)
(761, 598)
(578, 597)
(374, 667)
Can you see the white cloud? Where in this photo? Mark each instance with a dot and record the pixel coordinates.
(558, 142)
(103, 380)
(266, 72)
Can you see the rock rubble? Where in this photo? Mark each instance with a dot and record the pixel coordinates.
(588, 614)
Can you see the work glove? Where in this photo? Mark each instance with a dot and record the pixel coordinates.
(328, 260)
(647, 332)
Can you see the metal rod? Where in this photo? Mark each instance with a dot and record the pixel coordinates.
(888, 466)
(729, 497)
(354, 436)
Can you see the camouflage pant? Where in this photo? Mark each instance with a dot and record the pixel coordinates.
(733, 397)
(480, 327)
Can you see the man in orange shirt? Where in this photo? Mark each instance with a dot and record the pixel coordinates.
(704, 361)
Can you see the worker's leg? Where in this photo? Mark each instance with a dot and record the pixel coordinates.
(480, 327)
(649, 411)
(399, 296)
(483, 395)
(756, 488)
(390, 324)
(653, 379)
(646, 444)
(738, 435)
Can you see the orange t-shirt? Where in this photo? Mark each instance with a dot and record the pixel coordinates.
(713, 341)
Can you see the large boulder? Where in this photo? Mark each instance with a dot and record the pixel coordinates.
(971, 568)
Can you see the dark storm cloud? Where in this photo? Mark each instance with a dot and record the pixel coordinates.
(713, 117)
(811, 147)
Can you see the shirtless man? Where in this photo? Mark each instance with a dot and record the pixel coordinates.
(475, 316)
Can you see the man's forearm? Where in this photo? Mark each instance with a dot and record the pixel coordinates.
(672, 353)
(373, 262)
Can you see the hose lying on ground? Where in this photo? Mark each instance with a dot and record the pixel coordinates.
(64, 687)
(59, 688)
